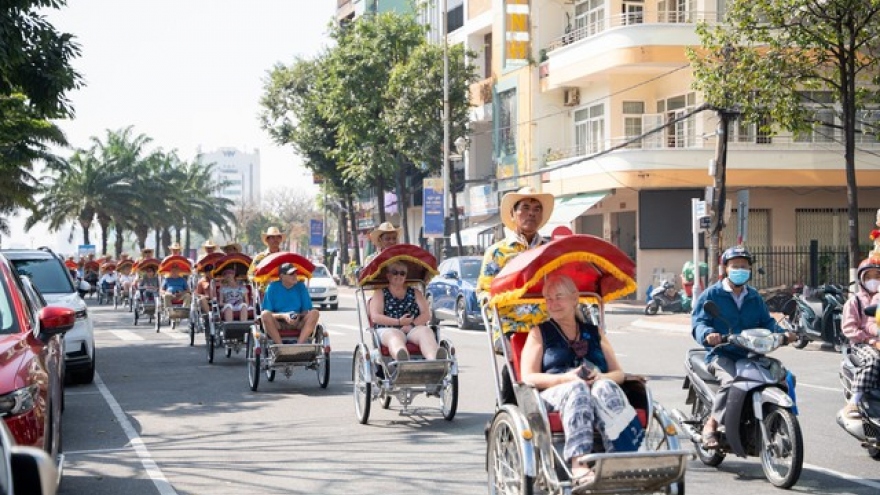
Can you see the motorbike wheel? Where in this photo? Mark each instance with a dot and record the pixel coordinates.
(505, 458)
(800, 343)
(874, 453)
(652, 308)
(783, 458)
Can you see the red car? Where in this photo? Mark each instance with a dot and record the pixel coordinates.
(31, 362)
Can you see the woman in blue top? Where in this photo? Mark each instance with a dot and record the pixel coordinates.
(577, 373)
(401, 315)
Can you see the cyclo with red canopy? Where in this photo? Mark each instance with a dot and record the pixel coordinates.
(177, 310)
(375, 373)
(144, 300)
(230, 336)
(525, 442)
(199, 321)
(264, 356)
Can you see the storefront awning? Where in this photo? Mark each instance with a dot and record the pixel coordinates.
(566, 210)
(471, 235)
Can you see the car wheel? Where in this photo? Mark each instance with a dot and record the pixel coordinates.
(461, 314)
(434, 320)
(86, 376)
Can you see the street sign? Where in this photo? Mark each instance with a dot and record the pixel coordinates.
(432, 207)
(316, 233)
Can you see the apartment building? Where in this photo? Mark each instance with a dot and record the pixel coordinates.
(569, 86)
(238, 170)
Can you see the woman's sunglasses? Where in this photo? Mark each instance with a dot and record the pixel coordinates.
(399, 273)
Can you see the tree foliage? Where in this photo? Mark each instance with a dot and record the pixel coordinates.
(767, 53)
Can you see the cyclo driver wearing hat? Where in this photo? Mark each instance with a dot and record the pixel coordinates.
(272, 238)
(523, 213)
(287, 300)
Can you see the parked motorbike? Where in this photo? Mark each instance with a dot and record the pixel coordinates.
(761, 412)
(816, 318)
(866, 429)
(668, 299)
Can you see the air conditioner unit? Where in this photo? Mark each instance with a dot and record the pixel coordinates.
(572, 97)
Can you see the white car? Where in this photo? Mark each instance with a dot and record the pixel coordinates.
(323, 289)
(49, 275)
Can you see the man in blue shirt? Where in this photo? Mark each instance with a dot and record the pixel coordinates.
(287, 301)
(175, 287)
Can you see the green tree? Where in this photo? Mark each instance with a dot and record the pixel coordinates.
(768, 53)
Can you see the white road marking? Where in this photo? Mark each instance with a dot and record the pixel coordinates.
(820, 387)
(153, 472)
(126, 335)
(848, 477)
(174, 334)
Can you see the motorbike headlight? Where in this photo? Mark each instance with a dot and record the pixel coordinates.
(758, 340)
(19, 401)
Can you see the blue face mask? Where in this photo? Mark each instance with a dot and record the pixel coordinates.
(739, 276)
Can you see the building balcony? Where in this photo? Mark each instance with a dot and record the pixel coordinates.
(647, 41)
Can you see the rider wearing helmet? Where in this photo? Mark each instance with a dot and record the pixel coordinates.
(861, 330)
(740, 307)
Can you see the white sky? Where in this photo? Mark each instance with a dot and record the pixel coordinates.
(187, 73)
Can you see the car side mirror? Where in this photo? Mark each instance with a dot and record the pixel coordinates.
(33, 471)
(55, 319)
(451, 274)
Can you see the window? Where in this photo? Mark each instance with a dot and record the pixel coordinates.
(506, 143)
(681, 133)
(632, 121)
(633, 12)
(589, 17)
(589, 129)
(48, 274)
(750, 132)
(824, 117)
(868, 126)
(676, 11)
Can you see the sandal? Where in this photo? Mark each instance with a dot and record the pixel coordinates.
(850, 411)
(583, 480)
(711, 439)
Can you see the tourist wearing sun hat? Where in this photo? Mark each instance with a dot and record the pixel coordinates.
(272, 238)
(209, 246)
(523, 212)
(231, 248)
(383, 237)
(287, 300)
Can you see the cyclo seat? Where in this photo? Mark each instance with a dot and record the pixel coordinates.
(634, 389)
(697, 358)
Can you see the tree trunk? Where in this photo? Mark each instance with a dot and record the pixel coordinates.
(848, 102)
(85, 228)
(349, 204)
(380, 199)
(402, 198)
(455, 222)
(119, 240)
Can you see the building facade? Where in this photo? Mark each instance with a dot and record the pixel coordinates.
(238, 170)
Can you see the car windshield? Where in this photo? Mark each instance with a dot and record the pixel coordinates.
(470, 268)
(47, 274)
(321, 272)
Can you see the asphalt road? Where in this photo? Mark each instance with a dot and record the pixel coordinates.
(160, 419)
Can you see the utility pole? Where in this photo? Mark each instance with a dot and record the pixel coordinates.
(444, 13)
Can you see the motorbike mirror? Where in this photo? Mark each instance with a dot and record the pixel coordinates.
(871, 310)
(712, 308)
(761, 271)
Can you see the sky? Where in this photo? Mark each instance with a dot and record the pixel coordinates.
(187, 73)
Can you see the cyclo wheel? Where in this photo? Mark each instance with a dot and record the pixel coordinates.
(449, 396)
(209, 346)
(657, 440)
(363, 387)
(504, 459)
(192, 333)
(323, 368)
(783, 457)
(253, 360)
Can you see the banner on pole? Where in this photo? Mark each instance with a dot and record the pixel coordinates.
(316, 233)
(432, 207)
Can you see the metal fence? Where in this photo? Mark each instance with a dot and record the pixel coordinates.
(794, 266)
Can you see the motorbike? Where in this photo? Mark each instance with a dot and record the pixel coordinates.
(816, 317)
(668, 299)
(866, 429)
(761, 413)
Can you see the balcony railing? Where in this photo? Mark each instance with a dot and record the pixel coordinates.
(630, 19)
(698, 132)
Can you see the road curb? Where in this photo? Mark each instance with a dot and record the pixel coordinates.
(659, 325)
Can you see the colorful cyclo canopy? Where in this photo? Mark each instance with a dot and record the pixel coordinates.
(421, 265)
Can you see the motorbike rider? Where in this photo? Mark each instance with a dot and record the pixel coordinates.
(861, 330)
(741, 307)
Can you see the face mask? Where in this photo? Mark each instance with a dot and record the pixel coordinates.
(872, 285)
(739, 276)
